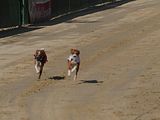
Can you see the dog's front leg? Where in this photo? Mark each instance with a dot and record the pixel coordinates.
(36, 66)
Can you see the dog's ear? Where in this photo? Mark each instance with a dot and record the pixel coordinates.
(77, 52)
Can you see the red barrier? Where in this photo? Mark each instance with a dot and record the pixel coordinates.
(39, 10)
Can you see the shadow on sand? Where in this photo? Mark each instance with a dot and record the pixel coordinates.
(15, 31)
(92, 9)
(57, 78)
(91, 81)
(64, 18)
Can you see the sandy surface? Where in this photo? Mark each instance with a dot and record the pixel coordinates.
(119, 77)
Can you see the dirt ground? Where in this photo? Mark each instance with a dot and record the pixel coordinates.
(119, 76)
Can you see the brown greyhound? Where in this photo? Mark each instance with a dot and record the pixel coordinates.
(40, 59)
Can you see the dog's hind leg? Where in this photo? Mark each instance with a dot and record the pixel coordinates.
(69, 72)
(76, 74)
(75, 77)
(41, 69)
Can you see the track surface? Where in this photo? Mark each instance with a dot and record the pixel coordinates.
(119, 77)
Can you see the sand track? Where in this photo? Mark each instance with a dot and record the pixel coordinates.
(119, 74)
